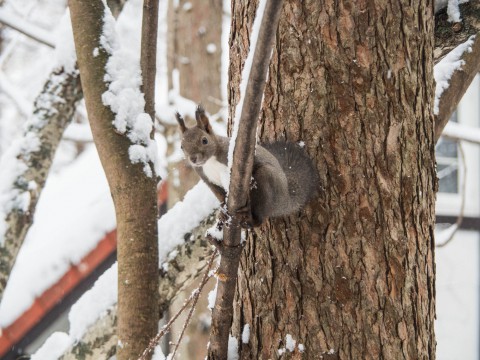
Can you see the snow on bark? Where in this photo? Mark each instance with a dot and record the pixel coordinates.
(125, 99)
(444, 70)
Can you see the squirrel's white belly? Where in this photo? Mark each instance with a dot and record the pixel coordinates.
(216, 172)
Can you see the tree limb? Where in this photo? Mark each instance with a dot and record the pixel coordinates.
(458, 85)
(449, 35)
(241, 173)
(53, 111)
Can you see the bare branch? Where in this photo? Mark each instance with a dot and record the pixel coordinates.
(26, 28)
(241, 173)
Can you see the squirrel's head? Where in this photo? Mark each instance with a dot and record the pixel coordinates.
(199, 143)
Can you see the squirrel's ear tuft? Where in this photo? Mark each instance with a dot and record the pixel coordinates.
(181, 122)
(202, 120)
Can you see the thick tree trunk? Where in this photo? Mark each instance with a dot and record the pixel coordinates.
(134, 194)
(352, 276)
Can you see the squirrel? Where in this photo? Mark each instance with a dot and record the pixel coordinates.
(284, 178)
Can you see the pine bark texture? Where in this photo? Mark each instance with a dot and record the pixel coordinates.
(352, 276)
(133, 193)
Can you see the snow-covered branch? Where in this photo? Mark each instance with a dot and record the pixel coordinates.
(448, 34)
(25, 165)
(453, 76)
(34, 32)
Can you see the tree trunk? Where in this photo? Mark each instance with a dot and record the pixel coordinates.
(134, 194)
(352, 276)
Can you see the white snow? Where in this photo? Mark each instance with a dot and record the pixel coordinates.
(290, 343)
(74, 212)
(125, 99)
(94, 303)
(453, 11)
(232, 348)
(211, 48)
(301, 348)
(65, 54)
(246, 334)
(215, 232)
(243, 83)
(212, 296)
(14, 188)
(197, 204)
(158, 353)
(53, 347)
(444, 70)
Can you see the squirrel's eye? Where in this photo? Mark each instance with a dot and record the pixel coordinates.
(204, 141)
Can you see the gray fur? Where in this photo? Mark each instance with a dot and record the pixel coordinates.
(284, 177)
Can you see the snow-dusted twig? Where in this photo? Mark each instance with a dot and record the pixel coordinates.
(34, 32)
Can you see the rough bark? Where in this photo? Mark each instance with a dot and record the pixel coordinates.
(133, 193)
(100, 341)
(352, 276)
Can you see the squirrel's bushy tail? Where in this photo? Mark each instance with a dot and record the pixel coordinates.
(301, 174)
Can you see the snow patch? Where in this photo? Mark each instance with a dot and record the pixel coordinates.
(54, 347)
(125, 99)
(232, 348)
(246, 334)
(444, 70)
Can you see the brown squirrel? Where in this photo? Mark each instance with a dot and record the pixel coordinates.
(284, 178)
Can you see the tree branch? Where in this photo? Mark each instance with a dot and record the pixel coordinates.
(241, 173)
(53, 111)
(449, 35)
(27, 29)
(458, 85)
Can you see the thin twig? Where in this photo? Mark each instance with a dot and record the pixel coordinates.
(194, 296)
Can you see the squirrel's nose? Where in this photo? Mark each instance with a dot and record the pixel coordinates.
(193, 159)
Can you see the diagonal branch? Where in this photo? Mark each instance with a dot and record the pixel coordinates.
(23, 26)
(241, 172)
(458, 85)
